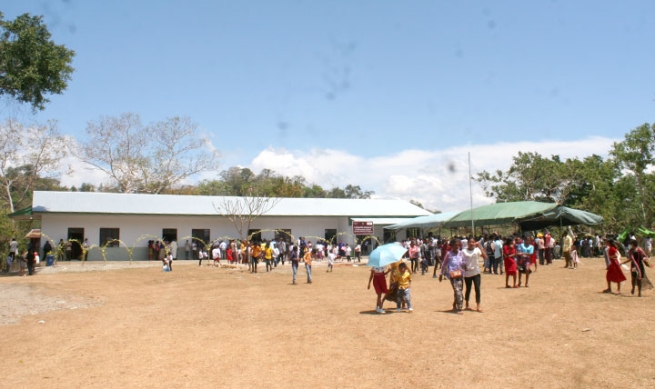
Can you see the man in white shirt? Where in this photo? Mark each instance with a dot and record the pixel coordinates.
(13, 249)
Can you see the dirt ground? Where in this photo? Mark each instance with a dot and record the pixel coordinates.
(133, 326)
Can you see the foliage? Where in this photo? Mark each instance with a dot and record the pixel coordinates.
(29, 155)
(619, 188)
(635, 156)
(31, 64)
(146, 159)
(237, 181)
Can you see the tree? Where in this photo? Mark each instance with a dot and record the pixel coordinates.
(150, 159)
(28, 154)
(635, 155)
(31, 64)
(531, 177)
(242, 211)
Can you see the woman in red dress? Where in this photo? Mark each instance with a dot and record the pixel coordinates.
(614, 272)
(509, 255)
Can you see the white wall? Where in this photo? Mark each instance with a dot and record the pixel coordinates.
(135, 230)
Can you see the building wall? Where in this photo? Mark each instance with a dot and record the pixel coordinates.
(135, 230)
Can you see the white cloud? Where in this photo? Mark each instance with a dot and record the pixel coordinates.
(436, 178)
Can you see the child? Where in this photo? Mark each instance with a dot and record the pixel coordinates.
(404, 288)
(574, 255)
(331, 256)
(23, 263)
(307, 258)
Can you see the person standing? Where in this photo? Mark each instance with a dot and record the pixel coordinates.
(13, 249)
(637, 258)
(509, 256)
(187, 250)
(498, 255)
(358, 253)
(472, 254)
(614, 272)
(194, 249)
(525, 253)
(85, 247)
(69, 250)
(453, 269)
(379, 278)
(404, 280)
(256, 254)
(413, 252)
(307, 258)
(548, 248)
(268, 256)
(293, 258)
(566, 249)
(173, 249)
(648, 245)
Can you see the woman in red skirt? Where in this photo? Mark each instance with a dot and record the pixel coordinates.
(378, 276)
(614, 272)
(509, 255)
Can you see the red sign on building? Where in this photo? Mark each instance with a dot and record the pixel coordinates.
(362, 228)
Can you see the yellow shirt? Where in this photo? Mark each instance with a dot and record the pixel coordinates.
(256, 251)
(308, 258)
(404, 280)
(268, 254)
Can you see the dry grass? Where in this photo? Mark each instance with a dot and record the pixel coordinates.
(209, 327)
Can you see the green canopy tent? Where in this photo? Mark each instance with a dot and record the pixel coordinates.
(430, 221)
(559, 216)
(530, 215)
(498, 214)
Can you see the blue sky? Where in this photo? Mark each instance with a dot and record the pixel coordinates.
(302, 86)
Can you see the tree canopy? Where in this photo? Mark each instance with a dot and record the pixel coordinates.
(31, 64)
(620, 188)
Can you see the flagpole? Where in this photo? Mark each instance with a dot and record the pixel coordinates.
(471, 196)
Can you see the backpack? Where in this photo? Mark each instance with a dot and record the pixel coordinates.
(489, 249)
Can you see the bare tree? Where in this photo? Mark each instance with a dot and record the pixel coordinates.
(28, 152)
(242, 211)
(147, 159)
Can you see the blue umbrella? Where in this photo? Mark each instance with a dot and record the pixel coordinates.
(386, 254)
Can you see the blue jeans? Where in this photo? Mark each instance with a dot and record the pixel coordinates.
(404, 294)
(497, 263)
(309, 272)
(294, 267)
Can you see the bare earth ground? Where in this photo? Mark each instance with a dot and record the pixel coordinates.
(118, 325)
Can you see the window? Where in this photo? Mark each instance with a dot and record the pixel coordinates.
(284, 233)
(110, 235)
(169, 234)
(201, 234)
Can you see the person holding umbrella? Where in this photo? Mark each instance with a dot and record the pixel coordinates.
(379, 279)
(380, 257)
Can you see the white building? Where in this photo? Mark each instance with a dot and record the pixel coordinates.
(133, 219)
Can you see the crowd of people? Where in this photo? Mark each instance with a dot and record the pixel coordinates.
(459, 261)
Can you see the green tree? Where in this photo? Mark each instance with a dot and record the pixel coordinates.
(31, 64)
(531, 177)
(635, 156)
